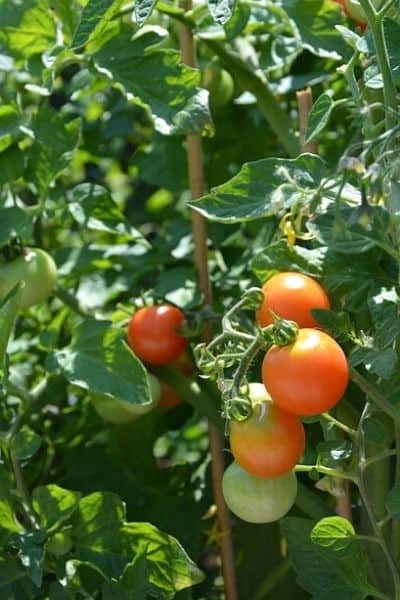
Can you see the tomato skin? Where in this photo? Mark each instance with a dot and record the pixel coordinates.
(59, 544)
(219, 83)
(258, 500)
(37, 269)
(153, 336)
(291, 296)
(170, 397)
(307, 377)
(119, 412)
(271, 441)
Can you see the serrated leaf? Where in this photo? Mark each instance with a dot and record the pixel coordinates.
(335, 533)
(11, 164)
(221, 10)
(169, 567)
(28, 27)
(319, 116)
(316, 22)
(14, 222)
(143, 9)
(26, 443)
(31, 553)
(281, 256)
(99, 360)
(55, 142)
(322, 572)
(54, 505)
(158, 79)
(10, 120)
(92, 207)
(98, 520)
(263, 188)
(94, 20)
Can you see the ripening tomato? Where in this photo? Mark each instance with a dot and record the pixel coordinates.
(271, 441)
(291, 296)
(153, 334)
(258, 500)
(307, 377)
(36, 269)
(170, 397)
(119, 411)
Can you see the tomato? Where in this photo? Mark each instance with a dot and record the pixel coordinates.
(118, 411)
(219, 83)
(291, 296)
(307, 377)
(59, 544)
(153, 334)
(271, 441)
(258, 500)
(37, 269)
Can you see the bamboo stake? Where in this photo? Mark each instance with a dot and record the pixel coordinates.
(196, 181)
(305, 102)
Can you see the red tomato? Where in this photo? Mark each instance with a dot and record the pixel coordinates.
(169, 395)
(153, 334)
(307, 377)
(291, 296)
(271, 441)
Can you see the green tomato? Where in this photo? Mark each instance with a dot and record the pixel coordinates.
(219, 83)
(355, 10)
(119, 412)
(37, 269)
(258, 500)
(58, 544)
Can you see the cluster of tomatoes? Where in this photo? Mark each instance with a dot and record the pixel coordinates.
(304, 378)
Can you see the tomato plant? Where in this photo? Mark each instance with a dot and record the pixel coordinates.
(271, 441)
(119, 411)
(258, 500)
(153, 334)
(36, 269)
(307, 377)
(291, 296)
(219, 83)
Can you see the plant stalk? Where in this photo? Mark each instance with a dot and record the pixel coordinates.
(196, 180)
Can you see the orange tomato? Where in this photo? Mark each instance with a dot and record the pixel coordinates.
(291, 296)
(271, 441)
(307, 377)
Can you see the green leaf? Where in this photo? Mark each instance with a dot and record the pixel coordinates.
(221, 10)
(263, 188)
(11, 164)
(335, 533)
(14, 222)
(158, 79)
(321, 571)
(333, 452)
(237, 23)
(393, 502)
(9, 309)
(392, 33)
(10, 120)
(26, 443)
(55, 142)
(281, 256)
(319, 116)
(97, 521)
(31, 553)
(54, 505)
(316, 21)
(28, 27)
(10, 571)
(169, 567)
(384, 307)
(143, 9)
(99, 360)
(94, 21)
(93, 208)
(8, 522)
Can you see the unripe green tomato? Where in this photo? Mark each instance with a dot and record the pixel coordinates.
(60, 543)
(258, 500)
(37, 269)
(120, 412)
(355, 11)
(219, 83)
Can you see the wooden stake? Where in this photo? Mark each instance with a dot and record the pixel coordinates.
(305, 102)
(194, 150)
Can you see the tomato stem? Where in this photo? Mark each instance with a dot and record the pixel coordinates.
(350, 432)
(370, 390)
(325, 471)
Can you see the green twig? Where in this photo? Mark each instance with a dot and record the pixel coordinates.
(374, 395)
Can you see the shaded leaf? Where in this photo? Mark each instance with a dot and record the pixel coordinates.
(319, 116)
